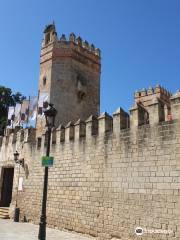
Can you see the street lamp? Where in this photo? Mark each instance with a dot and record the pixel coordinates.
(17, 160)
(21, 163)
(50, 115)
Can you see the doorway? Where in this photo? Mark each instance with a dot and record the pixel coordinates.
(7, 185)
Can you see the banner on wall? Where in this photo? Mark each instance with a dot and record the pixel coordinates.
(43, 102)
(17, 120)
(20, 184)
(33, 102)
(11, 116)
(25, 114)
(25, 111)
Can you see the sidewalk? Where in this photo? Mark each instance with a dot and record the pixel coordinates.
(10, 230)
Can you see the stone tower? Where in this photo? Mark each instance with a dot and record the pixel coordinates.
(70, 75)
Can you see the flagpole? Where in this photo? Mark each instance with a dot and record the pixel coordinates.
(14, 119)
(28, 113)
(20, 121)
(37, 108)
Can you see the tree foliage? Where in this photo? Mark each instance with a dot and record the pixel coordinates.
(7, 98)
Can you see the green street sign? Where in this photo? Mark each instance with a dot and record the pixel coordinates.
(47, 161)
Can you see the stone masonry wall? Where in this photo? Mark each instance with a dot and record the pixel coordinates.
(105, 181)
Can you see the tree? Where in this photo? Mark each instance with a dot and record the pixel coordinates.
(7, 98)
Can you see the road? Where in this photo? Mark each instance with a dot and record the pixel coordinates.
(10, 230)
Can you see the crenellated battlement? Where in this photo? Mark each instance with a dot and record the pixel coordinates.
(73, 47)
(104, 124)
(77, 41)
(70, 46)
(147, 96)
(151, 91)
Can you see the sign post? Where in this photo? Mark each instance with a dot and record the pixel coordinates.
(47, 161)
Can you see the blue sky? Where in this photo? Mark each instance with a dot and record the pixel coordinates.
(139, 40)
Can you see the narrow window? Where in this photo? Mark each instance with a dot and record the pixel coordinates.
(44, 80)
(39, 143)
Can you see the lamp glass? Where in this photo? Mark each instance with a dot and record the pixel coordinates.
(50, 115)
(16, 156)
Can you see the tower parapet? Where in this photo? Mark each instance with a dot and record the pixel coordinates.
(72, 45)
(147, 96)
(152, 105)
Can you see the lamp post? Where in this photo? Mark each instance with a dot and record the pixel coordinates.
(21, 163)
(50, 115)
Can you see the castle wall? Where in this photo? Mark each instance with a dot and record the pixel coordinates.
(105, 181)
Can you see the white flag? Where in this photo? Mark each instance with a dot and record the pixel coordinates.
(43, 97)
(11, 111)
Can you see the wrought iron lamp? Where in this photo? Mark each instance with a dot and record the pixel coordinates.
(50, 115)
(17, 160)
(21, 163)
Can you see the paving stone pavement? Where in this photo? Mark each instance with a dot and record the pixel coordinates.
(10, 230)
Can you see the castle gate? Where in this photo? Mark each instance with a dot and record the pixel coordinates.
(6, 186)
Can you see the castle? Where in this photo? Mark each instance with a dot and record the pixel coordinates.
(111, 174)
